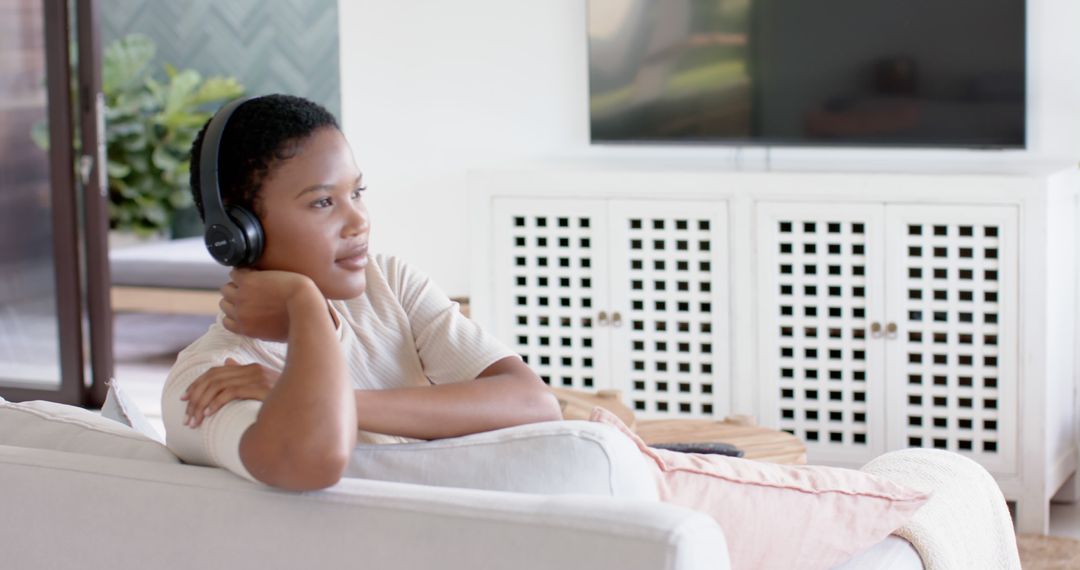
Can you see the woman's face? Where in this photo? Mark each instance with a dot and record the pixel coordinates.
(313, 217)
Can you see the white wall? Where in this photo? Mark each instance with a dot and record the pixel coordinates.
(432, 89)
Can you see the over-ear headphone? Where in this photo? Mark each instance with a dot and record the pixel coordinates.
(233, 235)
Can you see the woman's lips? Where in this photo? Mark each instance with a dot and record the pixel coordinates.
(355, 262)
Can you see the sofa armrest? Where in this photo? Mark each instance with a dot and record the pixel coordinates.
(548, 458)
(87, 511)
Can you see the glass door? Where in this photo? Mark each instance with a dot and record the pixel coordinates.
(42, 202)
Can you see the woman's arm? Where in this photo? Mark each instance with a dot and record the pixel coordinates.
(305, 431)
(505, 394)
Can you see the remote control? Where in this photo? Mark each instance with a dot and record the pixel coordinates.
(702, 447)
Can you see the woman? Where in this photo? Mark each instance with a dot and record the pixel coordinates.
(328, 338)
(321, 344)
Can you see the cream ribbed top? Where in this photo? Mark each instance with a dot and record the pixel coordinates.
(403, 331)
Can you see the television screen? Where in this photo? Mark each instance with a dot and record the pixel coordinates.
(901, 73)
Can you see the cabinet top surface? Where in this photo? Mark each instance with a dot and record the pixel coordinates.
(725, 161)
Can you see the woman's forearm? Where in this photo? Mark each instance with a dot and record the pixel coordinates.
(451, 410)
(306, 428)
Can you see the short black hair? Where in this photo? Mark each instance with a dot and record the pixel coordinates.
(260, 133)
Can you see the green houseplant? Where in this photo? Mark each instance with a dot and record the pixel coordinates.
(149, 127)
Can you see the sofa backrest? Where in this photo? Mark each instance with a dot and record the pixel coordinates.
(48, 425)
(550, 458)
(79, 511)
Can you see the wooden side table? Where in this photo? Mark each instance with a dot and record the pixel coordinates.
(758, 443)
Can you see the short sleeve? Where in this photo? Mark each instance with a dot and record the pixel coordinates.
(452, 347)
(216, 442)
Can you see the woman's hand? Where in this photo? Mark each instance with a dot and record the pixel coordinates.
(255, 303)
(223, 384)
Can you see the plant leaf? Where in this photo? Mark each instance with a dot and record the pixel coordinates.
(180, 90)
(217, 88)
(163, 160)
(181, 198)
(118, 169)
(125, 62)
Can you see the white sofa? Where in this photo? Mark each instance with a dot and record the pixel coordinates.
(558, 495)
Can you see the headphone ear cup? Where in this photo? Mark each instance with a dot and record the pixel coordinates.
(252, 231)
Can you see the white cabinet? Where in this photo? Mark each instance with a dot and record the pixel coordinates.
(865, 312)
(618, 294)
(885, 326)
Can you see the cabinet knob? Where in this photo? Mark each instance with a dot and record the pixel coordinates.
(890, 330)
(875, 329)
(616, 319)
(601, 319)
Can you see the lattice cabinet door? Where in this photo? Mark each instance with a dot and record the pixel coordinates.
(669, 314)
(952, 331)
(550, 272)
(819, 270)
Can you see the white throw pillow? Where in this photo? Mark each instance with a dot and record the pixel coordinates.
(48, 425)
(122, 408)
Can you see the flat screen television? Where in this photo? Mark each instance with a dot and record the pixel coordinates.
(880, 73)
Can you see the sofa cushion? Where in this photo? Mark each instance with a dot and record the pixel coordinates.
(549, 458)
(780, 516)
(173, 264)
(49, 425)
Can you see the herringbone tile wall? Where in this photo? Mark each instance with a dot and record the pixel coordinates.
(271, 46)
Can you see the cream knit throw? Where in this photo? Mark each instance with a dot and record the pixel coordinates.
(966, 523)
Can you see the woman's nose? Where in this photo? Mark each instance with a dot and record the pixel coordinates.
(356, 219)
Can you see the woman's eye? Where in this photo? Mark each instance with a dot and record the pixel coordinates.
(356, 193)
(322, 203)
